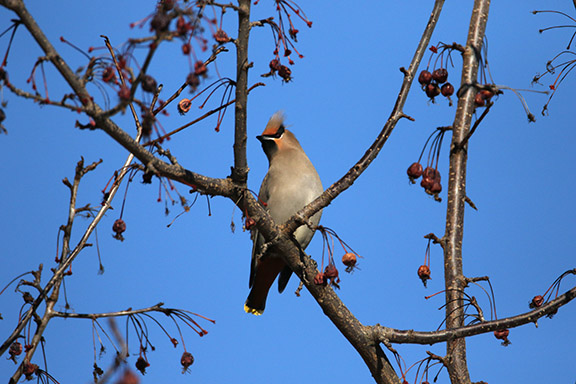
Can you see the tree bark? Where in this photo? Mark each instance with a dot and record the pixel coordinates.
(452, 241)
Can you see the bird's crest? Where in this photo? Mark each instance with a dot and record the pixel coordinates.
(274, 124)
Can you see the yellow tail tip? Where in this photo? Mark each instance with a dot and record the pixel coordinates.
(253, 311)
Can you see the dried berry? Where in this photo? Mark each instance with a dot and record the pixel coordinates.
(221, 37)
(186, 360)
(186, 49)
(184, 106)
(160, 22)
(119, 227)
(331, 274)
(414, 171)
(349, 260)
(486, 94)
(109, 75)
(142, 364)
(320, 279)
(199, 68)
(124, 94)
(440, 75)
(431, 173)
(149, 84)
(182, 27)
(436, 188)
(432, 90)
(15, 350)
(479, 100)
(537, 301)
(274, 65)
(424, 274)
(502, 334)
(285, 73)
(28, 369)
(425, 77)
(431, 177)
(447, 90)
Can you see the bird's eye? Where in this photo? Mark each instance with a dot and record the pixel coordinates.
(279, 132)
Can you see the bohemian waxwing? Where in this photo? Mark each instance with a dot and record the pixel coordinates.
(290, 184)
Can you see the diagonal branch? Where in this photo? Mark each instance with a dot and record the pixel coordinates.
(397, 113)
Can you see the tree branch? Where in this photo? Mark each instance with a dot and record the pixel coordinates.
(397, 113)
(452, 241)
(418, 337)
(240, 169)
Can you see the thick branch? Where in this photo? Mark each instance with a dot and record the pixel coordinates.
(416, 337)
(240, 170)
(452, 241)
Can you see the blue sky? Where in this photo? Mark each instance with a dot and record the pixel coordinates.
(519, 176)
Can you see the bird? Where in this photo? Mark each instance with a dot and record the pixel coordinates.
(291, 183)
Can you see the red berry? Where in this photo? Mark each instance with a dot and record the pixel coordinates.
(440, 75)
(109, 75)
(447, 90)
(424, 273)
(274, 65)
(431, 173)
(349, 260)
(29, 369)
(414, 171)
(124, 94)
(186, 48)
(436, 188)
(184, 106)
(479, 100)
(320, 279)
(221, 37)
(537, 301)
(501, 334)
(186, 360)
(285, 73)
(486, 94)
(432, 90)
(119, 227)
(425, 77)
(15, 350)
(142, 364)
(331, 274)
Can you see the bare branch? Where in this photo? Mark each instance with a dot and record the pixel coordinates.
(417, 337)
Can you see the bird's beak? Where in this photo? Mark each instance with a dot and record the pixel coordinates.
(263, 138)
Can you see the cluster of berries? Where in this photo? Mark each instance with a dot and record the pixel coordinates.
(436, 83)
(430, 178)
